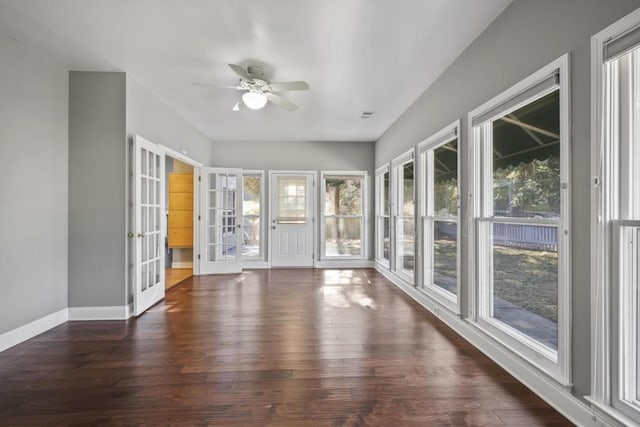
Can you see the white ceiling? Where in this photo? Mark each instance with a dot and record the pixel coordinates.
(374, 55)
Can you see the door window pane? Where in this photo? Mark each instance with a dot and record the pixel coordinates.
(291, 206)
(405, 225)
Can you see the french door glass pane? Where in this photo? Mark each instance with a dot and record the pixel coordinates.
(445, 255)
(526, 160)
(342, 236)
(525, 279)
(221, 217)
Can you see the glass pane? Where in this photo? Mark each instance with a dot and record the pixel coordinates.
(143, 277)
(232, 182)
(251, 187)
(342, 196)
(144, 189)
(157, 278)
(525, 280)
(212, 181)
(151, 271)
(386, 198)
(445, 182)
(152, 191)
(526, 161)
(405, 246)
(291, 199)
(445, 246)
(342, 237)
(143, 161)
(386, 242)
(251, 237)
(407, 189)
(152, 165)
(212, 252)
(157, 175)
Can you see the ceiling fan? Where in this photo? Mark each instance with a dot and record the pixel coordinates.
(258, 91)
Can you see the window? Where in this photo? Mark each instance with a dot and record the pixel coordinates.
(292, 193)
(343, 210)
(439, 206)
(383, 215)
(404, 211)
(252, 198)
(616, 223)
(520, 153)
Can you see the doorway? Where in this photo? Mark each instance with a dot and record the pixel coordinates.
(292, 219)
(179, 202)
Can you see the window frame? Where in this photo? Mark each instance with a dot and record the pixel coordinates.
(429, 145)
(262, 219)
(363, 175)
(395, 210)
(555, 364)
(607, 257)
(380, 215)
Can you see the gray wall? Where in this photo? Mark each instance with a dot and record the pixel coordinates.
(527, 36)
(33, 206)
(151, 118)
(96, 189)
(299, 155)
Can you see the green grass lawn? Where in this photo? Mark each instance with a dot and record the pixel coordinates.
(524, 277)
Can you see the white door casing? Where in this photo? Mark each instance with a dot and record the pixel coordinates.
(292, 219)
(149, 224)
(221, 225)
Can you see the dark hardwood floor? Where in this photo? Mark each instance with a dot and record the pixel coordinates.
(279, 347)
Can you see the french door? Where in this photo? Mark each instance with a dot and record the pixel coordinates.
(149, 219)
(292, 219)
(221, 233)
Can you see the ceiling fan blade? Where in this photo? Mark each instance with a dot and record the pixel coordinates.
(218, 86)
(281, 102)
(239, 106)
(277, 87)
(244, 75)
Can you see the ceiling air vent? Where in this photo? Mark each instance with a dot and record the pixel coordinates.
(366, 114)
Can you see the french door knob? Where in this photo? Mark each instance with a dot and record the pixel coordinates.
(140, 234)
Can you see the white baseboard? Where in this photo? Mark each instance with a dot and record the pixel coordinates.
(255, 265)
(553, 393)
(344, 263)
(100, 313)
(182, 265)
(31, 329)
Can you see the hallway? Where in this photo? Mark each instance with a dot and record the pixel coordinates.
(266, 347)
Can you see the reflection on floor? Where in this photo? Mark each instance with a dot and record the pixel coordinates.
(173, 276)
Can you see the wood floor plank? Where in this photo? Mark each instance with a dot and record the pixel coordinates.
(265, 347)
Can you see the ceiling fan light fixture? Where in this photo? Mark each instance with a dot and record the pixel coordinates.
(254, 100)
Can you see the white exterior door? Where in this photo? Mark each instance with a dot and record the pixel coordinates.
(149, 220)
(220, 211)
(292, 219)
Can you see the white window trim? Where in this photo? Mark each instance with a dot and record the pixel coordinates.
(442, 137)
(535, 353)
(379, 213)
(263, 222)
(406, 157)
(364, 217)
(603, 208)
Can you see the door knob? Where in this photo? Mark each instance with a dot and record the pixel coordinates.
(140, 234)
(273, 227)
